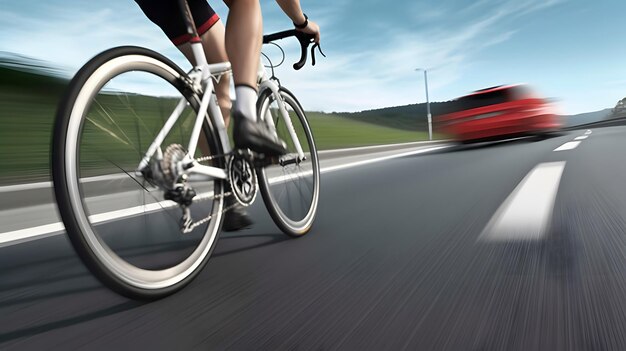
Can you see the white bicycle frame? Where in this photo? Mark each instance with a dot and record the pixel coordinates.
(201, 79)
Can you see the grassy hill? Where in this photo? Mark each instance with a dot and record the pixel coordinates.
(408, 117)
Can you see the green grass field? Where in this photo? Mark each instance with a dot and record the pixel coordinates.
(335, 131)
(29, 103)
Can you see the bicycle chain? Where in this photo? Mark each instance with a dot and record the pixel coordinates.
(194, 224)
(209, 158)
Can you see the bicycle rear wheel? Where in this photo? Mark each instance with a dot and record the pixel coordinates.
(120, 225)
(290, 190)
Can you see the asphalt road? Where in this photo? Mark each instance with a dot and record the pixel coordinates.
(407, 253)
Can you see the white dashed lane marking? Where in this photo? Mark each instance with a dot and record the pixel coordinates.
(568, 146)
(582, 137)
(526, 213)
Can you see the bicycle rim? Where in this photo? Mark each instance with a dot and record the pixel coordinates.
(291, 191)
(120, 224)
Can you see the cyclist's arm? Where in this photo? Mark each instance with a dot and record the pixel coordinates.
(293, 10)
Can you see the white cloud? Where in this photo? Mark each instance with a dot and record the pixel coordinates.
(384, 75)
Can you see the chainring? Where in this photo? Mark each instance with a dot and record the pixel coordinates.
(243, 179)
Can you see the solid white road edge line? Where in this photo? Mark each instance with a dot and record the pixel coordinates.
(43, 231)
(526, 214)
(373, 147)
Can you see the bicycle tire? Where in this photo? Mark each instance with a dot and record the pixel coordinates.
(300, 223)
(110, 269)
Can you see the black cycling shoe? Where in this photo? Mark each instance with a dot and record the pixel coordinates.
(236, 218)
(256, 137)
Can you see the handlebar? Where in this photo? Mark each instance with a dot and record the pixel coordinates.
(304, 39)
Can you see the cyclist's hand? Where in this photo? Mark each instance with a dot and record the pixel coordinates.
(313, 29)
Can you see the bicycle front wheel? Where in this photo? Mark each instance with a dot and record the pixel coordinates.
(290, 189)
(121, 226)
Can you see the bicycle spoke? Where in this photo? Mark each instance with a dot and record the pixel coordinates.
(109, 132)
(112, 120)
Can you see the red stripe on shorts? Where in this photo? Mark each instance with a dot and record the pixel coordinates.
(208, 24)
(185, 38)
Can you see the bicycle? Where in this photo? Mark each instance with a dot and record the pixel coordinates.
(118, 190)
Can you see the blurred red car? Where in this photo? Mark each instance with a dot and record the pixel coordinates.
(499, 112)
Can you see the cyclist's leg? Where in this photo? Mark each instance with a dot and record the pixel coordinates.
(244, 32)
(244, 38)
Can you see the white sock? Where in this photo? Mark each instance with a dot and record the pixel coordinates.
(245, 101)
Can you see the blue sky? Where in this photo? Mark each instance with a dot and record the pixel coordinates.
(571, 50)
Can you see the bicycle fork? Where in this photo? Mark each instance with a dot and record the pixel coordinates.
(267, 118)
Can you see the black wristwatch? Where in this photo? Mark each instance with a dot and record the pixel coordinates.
(303, 25)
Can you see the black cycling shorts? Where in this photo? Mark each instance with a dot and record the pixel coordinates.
(167, 15)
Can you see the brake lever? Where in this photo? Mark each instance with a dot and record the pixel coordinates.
(305, 41)
(319, 47)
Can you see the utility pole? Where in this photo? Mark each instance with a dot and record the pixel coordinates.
(428, 115)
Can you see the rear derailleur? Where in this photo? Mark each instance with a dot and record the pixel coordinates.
(165, 172)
